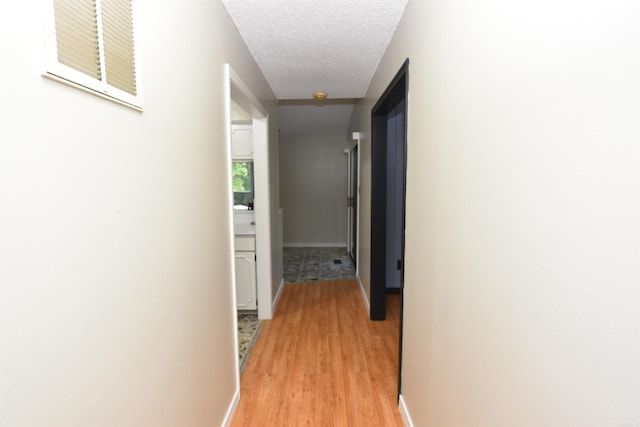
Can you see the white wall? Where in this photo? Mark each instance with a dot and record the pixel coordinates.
(115, 266)
(522, 293)
(277, 233)
(313, 187)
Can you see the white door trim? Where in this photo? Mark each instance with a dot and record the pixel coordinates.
(240, 93)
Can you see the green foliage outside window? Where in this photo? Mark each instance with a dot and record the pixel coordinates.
(242, 176)
(242, 183)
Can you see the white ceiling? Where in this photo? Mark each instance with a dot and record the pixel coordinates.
(304, 46)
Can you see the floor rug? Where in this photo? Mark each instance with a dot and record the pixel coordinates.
(248, 331)
(315, 264)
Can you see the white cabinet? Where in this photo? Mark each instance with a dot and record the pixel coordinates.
(246, 272)
(241, 142)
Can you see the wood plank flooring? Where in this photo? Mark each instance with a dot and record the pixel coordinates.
(321, 362)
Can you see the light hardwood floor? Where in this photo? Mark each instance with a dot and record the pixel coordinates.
(321, 362)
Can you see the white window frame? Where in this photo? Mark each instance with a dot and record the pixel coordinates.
(67, 75)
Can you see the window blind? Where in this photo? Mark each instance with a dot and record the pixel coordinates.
(77, 36)
(91, 44)
(117, 34)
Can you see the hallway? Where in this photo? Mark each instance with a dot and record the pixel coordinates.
(320, 361)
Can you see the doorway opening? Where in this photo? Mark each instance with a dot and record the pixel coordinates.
(240, 95)
(353, 199)
(251, 232)
(388, 182)
(388, 189)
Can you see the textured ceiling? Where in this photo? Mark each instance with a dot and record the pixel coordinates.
(303, 46)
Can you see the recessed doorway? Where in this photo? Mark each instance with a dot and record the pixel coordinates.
(388, 182)
(388, 190)
(353, 188)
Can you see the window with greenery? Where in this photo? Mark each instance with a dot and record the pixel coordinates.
(91, 44)
(243, 185)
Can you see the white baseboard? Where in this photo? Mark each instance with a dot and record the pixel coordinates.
(364, 295)
(233, 407)
(277, 298)
(315, 245)
(404, 413)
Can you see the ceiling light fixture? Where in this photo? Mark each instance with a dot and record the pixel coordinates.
(320, 95)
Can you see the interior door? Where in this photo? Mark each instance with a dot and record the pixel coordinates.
(352, 204)
(388, 178)
(395, 197)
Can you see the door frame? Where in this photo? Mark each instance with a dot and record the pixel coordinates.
(240, 93)
(395, 92)
(353, 200)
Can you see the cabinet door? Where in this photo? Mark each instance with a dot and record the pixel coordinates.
(246, 280)
(242, 142)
